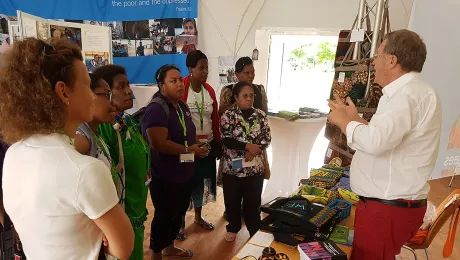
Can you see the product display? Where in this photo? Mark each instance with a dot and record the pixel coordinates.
(340, 235)
(321, 250)
(326, 214)
(317, 194)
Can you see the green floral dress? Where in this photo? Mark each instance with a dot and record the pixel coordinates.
(137, 167)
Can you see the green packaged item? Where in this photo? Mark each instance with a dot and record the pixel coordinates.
(340, 235)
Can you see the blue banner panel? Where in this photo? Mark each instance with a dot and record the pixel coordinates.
(141, 70)
(103, 10)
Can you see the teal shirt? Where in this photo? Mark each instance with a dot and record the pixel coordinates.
(136, 158)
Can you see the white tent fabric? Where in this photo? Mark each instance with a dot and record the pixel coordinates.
(437, 22)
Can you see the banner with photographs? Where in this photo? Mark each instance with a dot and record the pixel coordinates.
(146, 34)
(141, 41)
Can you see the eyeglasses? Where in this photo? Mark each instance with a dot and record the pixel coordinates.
(107, 95)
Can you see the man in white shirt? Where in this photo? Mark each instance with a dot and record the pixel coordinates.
(395, 152)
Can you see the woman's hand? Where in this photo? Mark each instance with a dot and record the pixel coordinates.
(198, 151)
(105, 241)
(253, 148)
(248, 157)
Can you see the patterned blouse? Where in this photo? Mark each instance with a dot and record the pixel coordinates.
(232, 126)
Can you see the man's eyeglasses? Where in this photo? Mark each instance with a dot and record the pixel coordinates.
(108, 95)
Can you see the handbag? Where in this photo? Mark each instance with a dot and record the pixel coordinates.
(267, 171)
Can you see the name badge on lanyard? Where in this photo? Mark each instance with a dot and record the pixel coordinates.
(185, 157)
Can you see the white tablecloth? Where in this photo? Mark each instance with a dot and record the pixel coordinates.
(291, 146)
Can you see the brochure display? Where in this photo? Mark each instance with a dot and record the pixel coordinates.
(94, 41)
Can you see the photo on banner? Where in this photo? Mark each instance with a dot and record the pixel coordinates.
(4, 43)
(92, 22)
(144, 48)
(186, 43)
(4, 24)
(94, 60)
(164, 45)
(43, 31)
(124, 48)
(73, 34)
(227, 73)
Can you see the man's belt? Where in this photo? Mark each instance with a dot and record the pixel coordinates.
(398, 203)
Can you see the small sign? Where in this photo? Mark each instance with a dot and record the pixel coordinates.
(341, 77)
(357, 35)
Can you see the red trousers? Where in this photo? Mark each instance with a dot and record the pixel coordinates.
(381, 230)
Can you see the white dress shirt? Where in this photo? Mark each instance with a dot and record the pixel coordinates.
(397, 151)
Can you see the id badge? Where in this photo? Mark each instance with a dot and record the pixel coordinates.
(187, 158)
(148, 178)
(237, 163)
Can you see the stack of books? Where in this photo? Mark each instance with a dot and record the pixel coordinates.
(326, 250)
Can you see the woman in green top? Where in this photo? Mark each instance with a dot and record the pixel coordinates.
(135, 149)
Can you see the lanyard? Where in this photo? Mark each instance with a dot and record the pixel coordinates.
(105, 150)
(116, 176)
(182, 122)
(201, 111)
(246, 126)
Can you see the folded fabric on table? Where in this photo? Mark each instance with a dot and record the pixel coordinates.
(317, 195)
(343, 183)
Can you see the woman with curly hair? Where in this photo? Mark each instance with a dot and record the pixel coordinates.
(67, 201)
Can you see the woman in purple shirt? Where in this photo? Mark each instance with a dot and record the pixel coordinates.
(172, 138)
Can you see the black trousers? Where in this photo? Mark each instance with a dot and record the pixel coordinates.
(171, 201)
(248, 190)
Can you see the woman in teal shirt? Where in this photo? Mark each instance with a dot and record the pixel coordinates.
(135, 152)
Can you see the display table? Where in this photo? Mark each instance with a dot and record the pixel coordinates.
(294, 254)
(290, 151)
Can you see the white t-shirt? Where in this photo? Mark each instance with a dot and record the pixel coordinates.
(192, 100)
(52, 194)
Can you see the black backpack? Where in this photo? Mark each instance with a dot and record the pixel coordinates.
(138, 116)
(297, 216)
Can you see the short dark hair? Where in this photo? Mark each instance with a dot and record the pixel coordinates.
(160, 75)
(239, 86)
(108, 72)
(241, 63)
(95, 80)
(408, 47)
(193, 58)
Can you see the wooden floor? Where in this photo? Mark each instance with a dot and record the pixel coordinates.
(211, 245)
